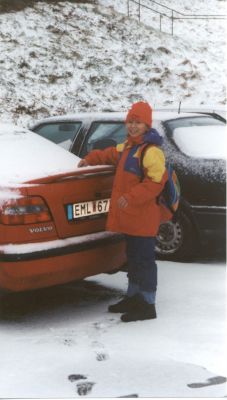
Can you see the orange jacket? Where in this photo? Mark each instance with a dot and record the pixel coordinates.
(142, 216)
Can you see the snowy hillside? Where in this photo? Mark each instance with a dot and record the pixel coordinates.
(59, 58)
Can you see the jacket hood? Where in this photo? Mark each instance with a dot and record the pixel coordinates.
(152, 136)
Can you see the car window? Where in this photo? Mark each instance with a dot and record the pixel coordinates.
(199, 137)
(62, 133)
(193, 121)
(104, 134)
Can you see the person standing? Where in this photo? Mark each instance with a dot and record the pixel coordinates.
(134, 209)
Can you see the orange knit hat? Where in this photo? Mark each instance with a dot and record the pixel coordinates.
(141, 112)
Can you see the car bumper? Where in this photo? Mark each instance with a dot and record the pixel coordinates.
(36, 265)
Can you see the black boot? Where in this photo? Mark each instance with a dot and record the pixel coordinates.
(125, 305)
(142, 311)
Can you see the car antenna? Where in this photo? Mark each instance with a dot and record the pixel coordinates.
(179, 107)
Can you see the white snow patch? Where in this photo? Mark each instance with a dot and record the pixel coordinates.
(8, 194)
(67, 330)
(202, 141)
(53, 244)
(25, 155)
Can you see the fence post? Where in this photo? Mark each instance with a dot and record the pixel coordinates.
(139, 10)
(128, 7)
(172, 22)
(160, 22)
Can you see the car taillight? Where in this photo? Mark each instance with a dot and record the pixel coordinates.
(24, 210)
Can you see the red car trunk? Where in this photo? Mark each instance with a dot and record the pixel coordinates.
(52, 214)
(61, 193)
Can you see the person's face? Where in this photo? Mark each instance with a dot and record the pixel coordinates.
(136, 128)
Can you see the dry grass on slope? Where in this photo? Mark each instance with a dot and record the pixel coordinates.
(18, 5)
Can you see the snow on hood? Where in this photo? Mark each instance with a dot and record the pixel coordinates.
(25, 156)
(202, 141)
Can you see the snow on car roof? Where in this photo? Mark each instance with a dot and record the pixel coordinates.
(25, 156)
(157, 115)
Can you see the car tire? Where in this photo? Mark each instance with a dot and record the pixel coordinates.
(177, 240)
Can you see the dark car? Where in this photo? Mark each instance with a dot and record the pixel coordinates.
(193, 142)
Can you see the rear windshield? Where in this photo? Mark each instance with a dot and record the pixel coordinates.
(62, 133)
(200, 137)
(193, 121)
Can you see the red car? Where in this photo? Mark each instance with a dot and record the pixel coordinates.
(52, 215)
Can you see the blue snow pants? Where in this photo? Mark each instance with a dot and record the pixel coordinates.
(142, 268)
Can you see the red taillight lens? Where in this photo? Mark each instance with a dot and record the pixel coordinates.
(24, 210)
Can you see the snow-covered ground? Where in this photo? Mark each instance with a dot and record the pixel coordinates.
(65, 57)
(62, 342)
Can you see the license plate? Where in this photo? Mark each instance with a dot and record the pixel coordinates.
(87, 209)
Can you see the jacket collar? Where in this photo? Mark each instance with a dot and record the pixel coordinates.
(152, 137)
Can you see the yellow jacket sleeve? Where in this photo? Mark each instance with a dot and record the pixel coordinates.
(154, 163)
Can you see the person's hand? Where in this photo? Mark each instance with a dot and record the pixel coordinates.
(82, 163)
(122, 202)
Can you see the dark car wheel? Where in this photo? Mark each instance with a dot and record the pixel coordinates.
(176, 240)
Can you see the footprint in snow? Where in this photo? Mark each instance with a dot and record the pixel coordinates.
(68, 342)
(216, 380)
(102, 357)
(76, 377)
(99, 326)
(107, 324)
(84, 388)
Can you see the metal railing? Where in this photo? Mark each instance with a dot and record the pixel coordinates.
(174, 14)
